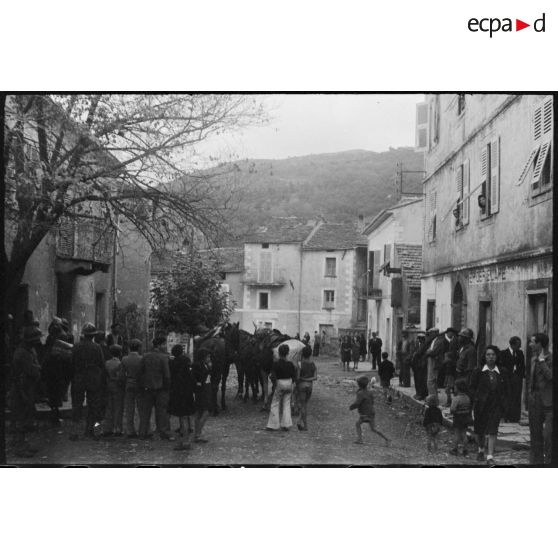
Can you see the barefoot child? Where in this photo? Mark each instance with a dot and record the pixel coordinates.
(462, 418)
(432, 421)
(308, 374)
(365, 404)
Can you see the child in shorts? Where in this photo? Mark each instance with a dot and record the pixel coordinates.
(462, 417)
(432, 422)
(365, 404)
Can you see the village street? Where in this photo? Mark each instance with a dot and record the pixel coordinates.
(238, 436)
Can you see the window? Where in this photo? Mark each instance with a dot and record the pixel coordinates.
(542, 173)
(460, 104)
(387, 253)
(435, 112)
(265, 270)
(265, 245)
(489, 197)
(224, 287)
(421, 133)
(263, 300)
(329, 299)
(331, 267)
(461, 212)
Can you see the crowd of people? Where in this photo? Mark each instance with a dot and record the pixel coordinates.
(482, 389)
(121, 382)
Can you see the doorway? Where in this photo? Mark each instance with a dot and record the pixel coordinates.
(65, 287)
(537, 322)
(484, 337)
(430, 314)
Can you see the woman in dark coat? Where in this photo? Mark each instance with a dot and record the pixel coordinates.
(490, 388)
(346, 352)
(362, 340)
(181, 400)
(56, 367)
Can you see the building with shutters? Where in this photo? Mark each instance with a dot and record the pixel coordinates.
(394, 267)
(304, 276)
(487, 250)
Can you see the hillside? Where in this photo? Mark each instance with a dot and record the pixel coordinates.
(338, 186)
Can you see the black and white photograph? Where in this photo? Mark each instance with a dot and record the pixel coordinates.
(270, 279)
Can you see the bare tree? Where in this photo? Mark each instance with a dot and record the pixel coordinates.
(112, 155)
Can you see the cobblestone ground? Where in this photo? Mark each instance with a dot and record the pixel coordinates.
(238, 436)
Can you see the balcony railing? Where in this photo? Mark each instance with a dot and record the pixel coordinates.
(374, 293)
(255, 281)
(89, 240)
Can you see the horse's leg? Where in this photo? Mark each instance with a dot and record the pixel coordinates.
(265, 386)
(240, 377)
(246, 385)
(224, 386)
(214, 392)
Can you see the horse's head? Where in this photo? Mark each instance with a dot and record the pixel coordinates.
(231, 334)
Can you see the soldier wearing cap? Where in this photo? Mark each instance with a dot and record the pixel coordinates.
(25, 376)
(435, 357)
(467, 355)
(88, 366)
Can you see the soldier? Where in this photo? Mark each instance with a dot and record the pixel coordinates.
(88, 365)
(25, 376)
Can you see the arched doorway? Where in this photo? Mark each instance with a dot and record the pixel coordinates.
(458, 307)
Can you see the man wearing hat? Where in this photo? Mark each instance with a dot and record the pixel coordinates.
(88, 364)
(435, 357)
(114, 337)
(25, 376)
(466, 355)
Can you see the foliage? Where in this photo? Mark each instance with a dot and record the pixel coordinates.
(338, 186)
(110, 157)
(189, 296)
(132, 320)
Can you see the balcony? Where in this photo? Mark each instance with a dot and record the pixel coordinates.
(375, 293)
(88, 243)
(272, 282)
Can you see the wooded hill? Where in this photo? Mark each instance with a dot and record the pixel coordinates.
(337, 186)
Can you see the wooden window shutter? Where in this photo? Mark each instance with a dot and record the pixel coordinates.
(527, 165)
(547, 116)
(495, 176)
(540, 163)
(537, 123)
(421, 133)
(466, 191)
(377, 260)
(265, 275)
(484, 163)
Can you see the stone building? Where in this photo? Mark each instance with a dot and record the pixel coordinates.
(487, 253)
(395, 261)
(301, 276)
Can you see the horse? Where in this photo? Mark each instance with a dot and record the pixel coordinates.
(269, 342)
(222, 343)
(247, 366)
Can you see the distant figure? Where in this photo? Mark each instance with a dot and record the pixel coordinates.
(297, 336)
(346, 352)
(355, 351)
(131, 365)
(324, 337)
(386, 373)
(364, 402)
(306, 338)
(114, 337)
(432, 422)
(316, 349)
(375, 348)
(362, 344)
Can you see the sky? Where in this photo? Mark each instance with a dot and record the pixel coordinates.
(307, 124)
